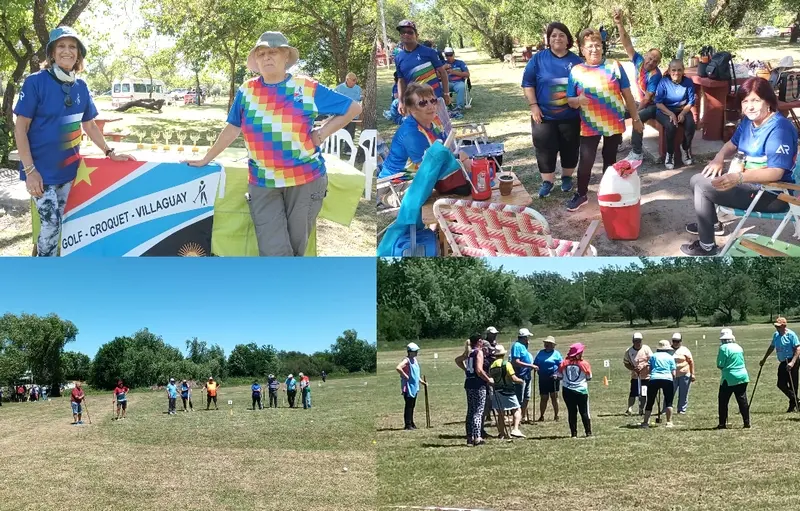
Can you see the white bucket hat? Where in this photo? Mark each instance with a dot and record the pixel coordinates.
(272, 40)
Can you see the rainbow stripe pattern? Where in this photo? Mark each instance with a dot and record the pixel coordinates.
(425, 73)
(276, 125)
(605, 113)
(71, 138)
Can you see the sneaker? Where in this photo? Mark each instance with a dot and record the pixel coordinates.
(566, 183)
(516, 433)
(719, 229)
(668, 425)
(669, 161)
(634, 156)
(540, 419)
(644, 425)
(545, 189)
(628, 412)
(576, 202)
(746, 426)
(722, 426)
(694, 249)
(687, 156)
(791, 409)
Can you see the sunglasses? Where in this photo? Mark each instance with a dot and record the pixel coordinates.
(422, 103)
(66, 88)
(406, 32)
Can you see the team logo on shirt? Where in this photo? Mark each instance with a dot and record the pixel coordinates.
(298, 96)
(78, 100)
(783, 149)
(21, 95)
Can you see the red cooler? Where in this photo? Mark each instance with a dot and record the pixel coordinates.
(619, 197)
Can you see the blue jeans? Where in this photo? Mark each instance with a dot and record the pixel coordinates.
(460, 88)
(682, 384)
(306, 398)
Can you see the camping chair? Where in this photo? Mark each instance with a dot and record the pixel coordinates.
(368, 141)
(484, 229)
(792, 214)
(467, 95)
(333, 145)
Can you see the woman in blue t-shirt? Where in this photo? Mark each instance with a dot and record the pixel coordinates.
(767, 143)
(52, 108)
(475, 383)
(410, 383)
(662, 375)
(555, 127)
(675, 98)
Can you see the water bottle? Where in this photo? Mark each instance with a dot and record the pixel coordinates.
(737, 163)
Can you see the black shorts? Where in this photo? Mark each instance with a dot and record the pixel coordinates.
(548, 385)
(122, 404)
(556, 138)
(635, 387)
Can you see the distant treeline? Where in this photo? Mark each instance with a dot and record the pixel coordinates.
(433, 298)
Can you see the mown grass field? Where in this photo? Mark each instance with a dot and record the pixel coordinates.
(689, 467)
(272, 459)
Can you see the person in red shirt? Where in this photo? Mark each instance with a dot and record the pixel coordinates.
(121, 399)
(77, 397)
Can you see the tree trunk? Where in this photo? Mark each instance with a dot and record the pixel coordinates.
(460, 42)
(232, 88)
(369, 109)
(150, 104)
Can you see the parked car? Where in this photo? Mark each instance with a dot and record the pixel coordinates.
(177, 94)
(768, 31)
(130, 89)
(189, 98)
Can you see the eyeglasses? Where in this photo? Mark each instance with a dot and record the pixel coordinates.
(406, 32)
(66, 88)
(422, 103)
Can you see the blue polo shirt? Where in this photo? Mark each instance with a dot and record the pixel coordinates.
(420, 65)
(548, 74)
(55, 131)
(675, 95)
(409, 144)
(256, 388)
(771, 145)
(520, 352)
(172, 390)
(785, 344)
(548, 362)
(458, 65)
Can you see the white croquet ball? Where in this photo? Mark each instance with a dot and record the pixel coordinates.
(344, 469)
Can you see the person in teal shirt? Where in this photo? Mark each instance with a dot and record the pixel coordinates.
(730, 360)
(291, 389)
(172, 395)
(548, 360)
(662, 375)
(787, 347)
(409, 384)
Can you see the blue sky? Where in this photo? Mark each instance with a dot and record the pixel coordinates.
(292, 303)
(565, 266)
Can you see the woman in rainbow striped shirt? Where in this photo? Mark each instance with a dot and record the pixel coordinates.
(601, 90)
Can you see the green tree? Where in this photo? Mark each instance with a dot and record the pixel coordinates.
(354, 354)
(76, 366)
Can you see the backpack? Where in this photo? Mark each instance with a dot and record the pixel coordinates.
(720, 67)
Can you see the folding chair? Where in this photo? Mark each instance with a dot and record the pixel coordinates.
(333, 145)
(484, 229)
(792, 214)
(368, 141)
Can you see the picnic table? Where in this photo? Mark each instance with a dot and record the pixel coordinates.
(714, 97)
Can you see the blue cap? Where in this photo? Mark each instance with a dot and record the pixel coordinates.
(61, 33)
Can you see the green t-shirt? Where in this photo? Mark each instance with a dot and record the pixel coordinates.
(730, 359)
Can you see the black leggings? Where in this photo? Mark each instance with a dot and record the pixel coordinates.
(208, 401)
(577, 402)
(408, 411)
(665, 386)
(185, 399)
(290, 395)
(788, 385)
(257, 399)
(670, 130)
(740, 391)
(588, 153)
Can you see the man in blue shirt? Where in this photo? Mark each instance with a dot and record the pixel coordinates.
(675, 98)
(172, 395)
(457, 74)
(291, 389)
(646, 79)
(418, 63)
(522, 361)
(787, 345)
(352, 90)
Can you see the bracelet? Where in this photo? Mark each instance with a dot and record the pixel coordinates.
(533, 104)
(30, 168)
(741, 177)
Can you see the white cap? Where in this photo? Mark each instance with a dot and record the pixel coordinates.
(412, 347)
(677, 336)
(726, 334)
(491, 330)
(638, 335)
(448, 50)
(524, 332)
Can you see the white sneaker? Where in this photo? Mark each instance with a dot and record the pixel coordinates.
(516, 433)
(634, 156)
(669, 162)
(669, 425)
(687, 156)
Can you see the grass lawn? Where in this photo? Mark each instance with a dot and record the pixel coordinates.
(666, 197)
(270, 459)
(690, 467)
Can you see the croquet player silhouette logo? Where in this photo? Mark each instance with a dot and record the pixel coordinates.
(201, 194)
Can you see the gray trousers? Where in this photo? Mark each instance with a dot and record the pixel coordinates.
(50, 207)
(285, 217)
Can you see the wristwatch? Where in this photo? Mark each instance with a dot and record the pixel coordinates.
(109, 151)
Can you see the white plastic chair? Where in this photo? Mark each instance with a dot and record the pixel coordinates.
(368, 141)
(333, 145)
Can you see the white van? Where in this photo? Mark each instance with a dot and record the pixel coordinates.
(130, 89)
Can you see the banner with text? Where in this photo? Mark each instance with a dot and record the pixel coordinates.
(136, 208)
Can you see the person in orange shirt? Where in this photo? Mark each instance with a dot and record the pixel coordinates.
(211, 393)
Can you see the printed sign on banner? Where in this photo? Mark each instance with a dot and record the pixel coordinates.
(137, 208)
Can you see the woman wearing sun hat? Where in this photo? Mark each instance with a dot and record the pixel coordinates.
(662, 376)
(548, 360)
(504, 397)
(409, 383)
(576, 374)
(52, 108)
(730, 360)
(275, 113)
(684, 371)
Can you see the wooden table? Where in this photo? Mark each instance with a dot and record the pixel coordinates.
(714, 94)
(519, 197)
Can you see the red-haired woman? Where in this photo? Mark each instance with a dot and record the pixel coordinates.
(768, 143)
